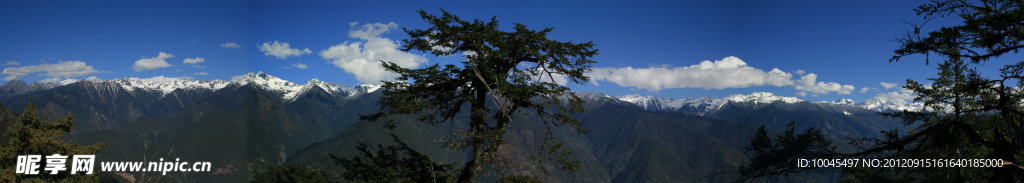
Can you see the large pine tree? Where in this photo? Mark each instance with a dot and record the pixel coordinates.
(504, 71)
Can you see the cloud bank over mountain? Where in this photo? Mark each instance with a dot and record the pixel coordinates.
(729, 72)
(362, 58)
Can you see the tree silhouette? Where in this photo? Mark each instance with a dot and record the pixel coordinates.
(506, 71)
(393, 163)
(290, 173)
(967, 115)
(779, 155)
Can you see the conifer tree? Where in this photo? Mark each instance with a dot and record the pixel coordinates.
(505, 72)
(32, 135)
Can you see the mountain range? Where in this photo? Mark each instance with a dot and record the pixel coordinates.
(259, 119)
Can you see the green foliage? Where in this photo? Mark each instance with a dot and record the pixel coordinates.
(779, 156)
(967, 115)
(990, 28)
(32, 135)
(290, 173)
(394, 163)
(970, 115)
(511, 70)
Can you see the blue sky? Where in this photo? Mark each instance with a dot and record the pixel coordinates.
(846, 44)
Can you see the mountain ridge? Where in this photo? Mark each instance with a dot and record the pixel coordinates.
(702, 105)
(259, 118)
(289, 91)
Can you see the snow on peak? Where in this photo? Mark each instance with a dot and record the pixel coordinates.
(883, 104)
(701, 105)
(670, 104)
(368, 88)
(761, 97)
(897, 100)
(167, 85)
(890, 101)
(291, 91)
(636, 99)
(841, 102)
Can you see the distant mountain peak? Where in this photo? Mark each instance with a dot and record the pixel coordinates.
(883, 104)
(166, 85)
(701, 105)
(163, 85)
(761, 97)
(291, 91)
(844, 101)
(368, 88)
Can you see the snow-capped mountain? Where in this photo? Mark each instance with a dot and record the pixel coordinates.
(701, 105)
(761, 98)
(290, 91)
(111, 104)
(160, 84)
(166, 85)
(841, 102)
(880, 104)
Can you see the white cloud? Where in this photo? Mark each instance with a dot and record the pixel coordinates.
(230, 45)
(362, 58)
(371, 31)
(152, 63)
(282, 50)
(300, 65)
(864, 89)
(63, 69)
(10, 63)
(801, 94)
(888, 85)
(193, 60)
(730, 72)
(201, 73)
(808, 83)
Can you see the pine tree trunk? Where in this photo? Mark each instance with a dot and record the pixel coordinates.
(478, 123)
